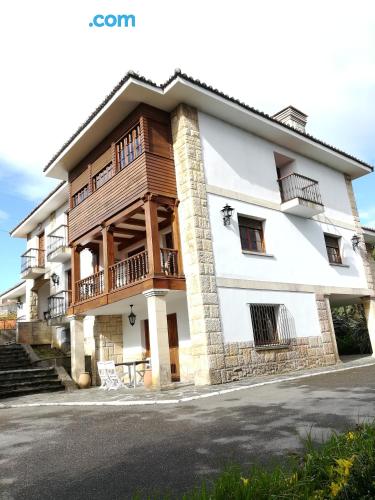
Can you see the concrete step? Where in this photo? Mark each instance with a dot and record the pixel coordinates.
(13, 355)
(26, 373)
(15, 384)
(46, 387)
(10, 365)
(11, 347)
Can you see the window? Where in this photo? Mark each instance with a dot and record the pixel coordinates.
(251, 234)
(333, 249)
(129, 147)
(272, 324)
(80, 195)
(103, 176)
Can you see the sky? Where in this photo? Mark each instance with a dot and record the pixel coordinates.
(55, 69)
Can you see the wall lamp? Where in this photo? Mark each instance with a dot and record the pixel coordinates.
(55, 279)
(132, 316)
(227, 212)
(47, 315)
(355, 241)
(19, 303)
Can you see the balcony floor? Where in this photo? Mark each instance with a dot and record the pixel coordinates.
(302, 208)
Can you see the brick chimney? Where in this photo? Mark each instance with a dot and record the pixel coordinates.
(293, 117)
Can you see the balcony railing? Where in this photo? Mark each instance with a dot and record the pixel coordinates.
(57, 239)
(90, 287)
(58, 304)
(298, 186)
(169, 261)
(129, 271)
(32, 258)
(125, 273)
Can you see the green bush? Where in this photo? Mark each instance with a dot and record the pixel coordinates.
(351, 330)
(341, 468)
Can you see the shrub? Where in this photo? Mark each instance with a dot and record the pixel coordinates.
(341, 468)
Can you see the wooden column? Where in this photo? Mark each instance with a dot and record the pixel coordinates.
(75, 271)
(108, 255)
(152, 235)
(176, 237)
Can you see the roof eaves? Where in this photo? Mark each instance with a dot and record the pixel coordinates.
(178, 74)
(37, 207)
(12, 288)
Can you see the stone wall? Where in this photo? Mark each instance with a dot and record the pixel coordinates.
(370, 250)
(34, 332)
(202, 299)
(108, 341)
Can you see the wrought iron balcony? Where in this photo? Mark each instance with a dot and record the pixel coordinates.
(300, 195)
(58, 304)
(32, 263)
(57, 245)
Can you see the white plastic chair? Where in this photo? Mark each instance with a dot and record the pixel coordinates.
(108, 376)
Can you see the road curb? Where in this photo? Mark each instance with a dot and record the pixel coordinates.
(147, 402)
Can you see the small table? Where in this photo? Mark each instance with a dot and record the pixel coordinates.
(133, 364)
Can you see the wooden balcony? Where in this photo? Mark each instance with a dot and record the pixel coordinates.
(300, 196)
(127, 273)
(32, 263)
(57, 245)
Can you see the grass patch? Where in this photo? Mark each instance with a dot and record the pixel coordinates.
(46, 351)
(341, 468)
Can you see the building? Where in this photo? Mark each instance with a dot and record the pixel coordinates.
(204, 234)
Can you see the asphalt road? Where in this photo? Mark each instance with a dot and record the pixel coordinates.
(110, 453)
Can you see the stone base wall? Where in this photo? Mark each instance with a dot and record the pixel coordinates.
(34, 332)
(242, 359)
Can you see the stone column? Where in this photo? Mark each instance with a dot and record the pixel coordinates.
(202, 298)
(362, 245)
(330, 352)
(77, 346)
(369, 306)
(159, 342)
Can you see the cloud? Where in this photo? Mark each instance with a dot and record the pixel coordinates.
(368, 217)
(3, 215)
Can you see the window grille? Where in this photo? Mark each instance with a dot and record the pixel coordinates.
(272, 324)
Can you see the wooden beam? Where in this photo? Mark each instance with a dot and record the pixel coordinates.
(131, 232)
(176, 238)
(108, 255)
(76, 271)
(127, 212)
(152, 231)
(134, 222)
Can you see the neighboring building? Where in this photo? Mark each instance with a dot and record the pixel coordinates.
(13, 301)
(45, 269)
(149, 178)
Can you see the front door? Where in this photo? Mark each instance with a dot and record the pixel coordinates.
(173, 345)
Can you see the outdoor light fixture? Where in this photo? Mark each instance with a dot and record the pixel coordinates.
(47, 315)
(355, 241)
(132, 316)
(55, 279)
(19, 303)
(227, 214)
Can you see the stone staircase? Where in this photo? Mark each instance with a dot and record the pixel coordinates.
(19, 377)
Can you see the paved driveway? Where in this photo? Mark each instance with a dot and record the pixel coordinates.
(109, 452)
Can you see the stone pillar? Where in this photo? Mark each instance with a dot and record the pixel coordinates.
(366, 257)
(202, 298)
(159, 342)
(77, 346)
(369, 306)
(330, 352)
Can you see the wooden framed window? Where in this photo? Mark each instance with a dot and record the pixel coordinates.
(80, 195)
(251, 234)
(333, 249)
(129, 147)
(103, 176)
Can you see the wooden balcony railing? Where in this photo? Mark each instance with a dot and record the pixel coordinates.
(298, 186)
(57, 239)
(90, 287)
(125, 273)
(128, 271)
(58, 303)
(33, 257)
(169, 261)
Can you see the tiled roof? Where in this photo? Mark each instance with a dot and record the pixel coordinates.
(179, 74)
(372, 229)
(38, 206)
